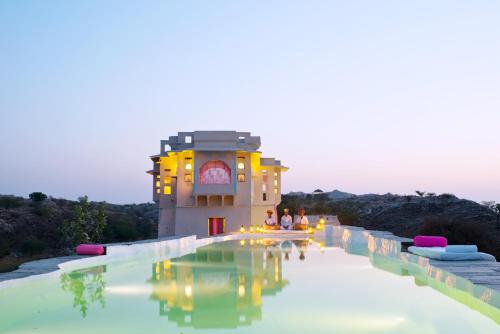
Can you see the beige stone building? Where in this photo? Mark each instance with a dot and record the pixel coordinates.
(212, 182)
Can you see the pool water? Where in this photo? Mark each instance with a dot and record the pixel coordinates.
(250, 286)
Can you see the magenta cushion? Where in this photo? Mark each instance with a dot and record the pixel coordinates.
(88, 249)
(430, 241)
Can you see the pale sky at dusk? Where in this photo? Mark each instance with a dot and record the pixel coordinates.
(361, 96)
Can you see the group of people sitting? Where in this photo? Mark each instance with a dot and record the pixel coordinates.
(286, 221)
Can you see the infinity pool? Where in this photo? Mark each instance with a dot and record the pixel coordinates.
(349, 282)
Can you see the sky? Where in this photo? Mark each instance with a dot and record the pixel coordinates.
(361, 96)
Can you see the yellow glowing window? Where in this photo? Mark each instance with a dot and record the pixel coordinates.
(157, 183)
(275, 190)
(275, 173)
(241, 165)
(157, 176)
(241, 177)
(276, 183)
(188, 166)
(158, 190)
(167, 190)
(188, 177)
(167, 180)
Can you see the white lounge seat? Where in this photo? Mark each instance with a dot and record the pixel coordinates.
(453, 254)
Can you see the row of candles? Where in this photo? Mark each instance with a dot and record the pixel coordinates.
(261, 229)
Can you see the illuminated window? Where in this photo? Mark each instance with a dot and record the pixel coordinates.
(158, 190)
(157, 176)
(188, 139)
(241, 165)
(167, 190)
(276, 174)
(188, 177)
(215, 172)
(264, 187)
(188, 166)
(241, 177)
(275, 190)
(167, 180)
(157, 183)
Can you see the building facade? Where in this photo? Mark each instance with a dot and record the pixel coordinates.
(212, 182)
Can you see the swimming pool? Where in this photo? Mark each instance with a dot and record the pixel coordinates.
(345, 282)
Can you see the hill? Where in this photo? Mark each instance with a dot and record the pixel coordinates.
(460, 220)
(34, 229)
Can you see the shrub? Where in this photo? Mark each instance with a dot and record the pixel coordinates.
(349, 217)
(9, 202)
(38, 196)
(32, 247)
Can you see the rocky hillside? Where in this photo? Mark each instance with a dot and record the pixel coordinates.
(461, 220)
(33, 229)
(406, 214)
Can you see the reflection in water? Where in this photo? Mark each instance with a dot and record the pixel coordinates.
(86, 285)
(385, 254)
(219, 286)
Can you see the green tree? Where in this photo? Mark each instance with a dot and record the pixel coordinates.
(38, 196)
(420, 193)
(100, 225)
(87, 225)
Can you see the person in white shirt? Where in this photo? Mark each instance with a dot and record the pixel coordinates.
(301, 222)
(286, 220)
(269, 222)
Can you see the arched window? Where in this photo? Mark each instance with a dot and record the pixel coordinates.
(215, 172)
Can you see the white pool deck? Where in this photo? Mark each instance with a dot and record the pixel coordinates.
(478, 278)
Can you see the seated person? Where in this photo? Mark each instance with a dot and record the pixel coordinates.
(301, 222)
(286, 220)
(270, 223)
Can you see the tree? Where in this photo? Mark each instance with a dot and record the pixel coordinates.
(87, 225)
(100, 225)
(38, 196)
(495, 208)
(408, 198)
(420, 193)
(431, 194)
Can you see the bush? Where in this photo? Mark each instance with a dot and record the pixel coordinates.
(38, 196)
(349, 217)
(9, 202)
(32, 247)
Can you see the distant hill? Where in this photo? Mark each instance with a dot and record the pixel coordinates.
(461, 220)
(334, 194)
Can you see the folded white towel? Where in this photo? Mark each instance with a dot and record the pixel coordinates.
(461, 249)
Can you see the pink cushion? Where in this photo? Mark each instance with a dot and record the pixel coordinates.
(430, 241)
(88, 249)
